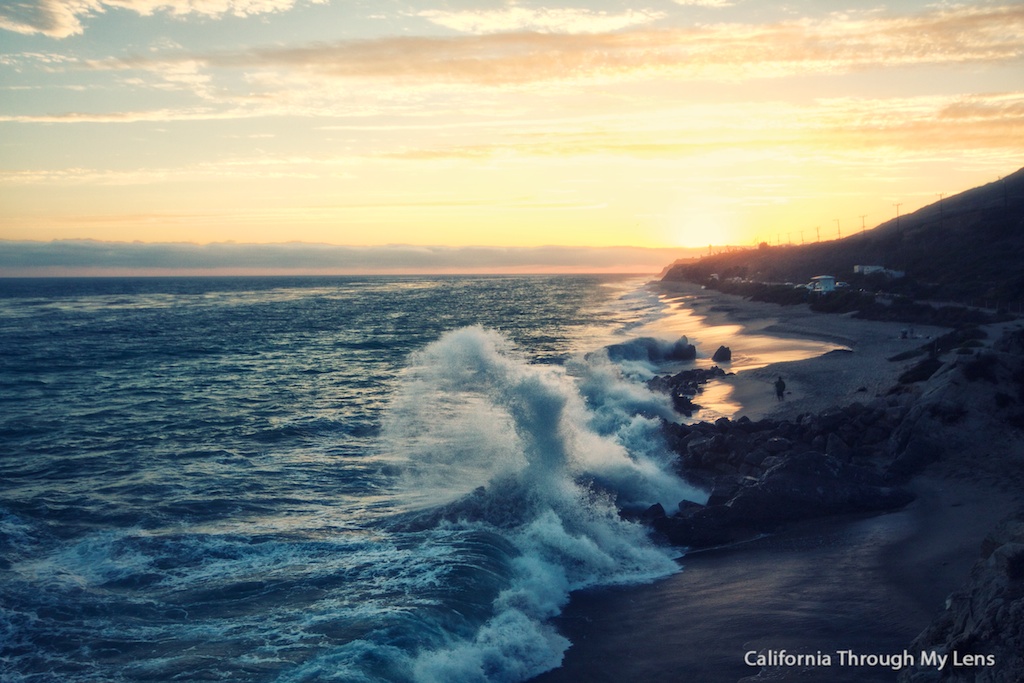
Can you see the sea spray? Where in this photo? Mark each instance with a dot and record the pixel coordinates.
(506, 446)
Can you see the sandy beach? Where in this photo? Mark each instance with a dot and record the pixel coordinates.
(825, 360)
(868, 584)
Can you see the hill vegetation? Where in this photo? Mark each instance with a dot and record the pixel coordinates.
(969, 247)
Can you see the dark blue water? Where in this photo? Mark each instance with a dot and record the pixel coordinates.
(316, 479)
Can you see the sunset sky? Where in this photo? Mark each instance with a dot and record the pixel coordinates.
(497, 123)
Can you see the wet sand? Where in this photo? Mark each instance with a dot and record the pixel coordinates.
(869, 584)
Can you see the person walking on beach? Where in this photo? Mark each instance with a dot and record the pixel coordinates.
(780, 388)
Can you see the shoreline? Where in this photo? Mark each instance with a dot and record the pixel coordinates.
(826, 360)
(869, 583)
(865, 583)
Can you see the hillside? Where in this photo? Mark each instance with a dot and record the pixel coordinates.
(966, 247)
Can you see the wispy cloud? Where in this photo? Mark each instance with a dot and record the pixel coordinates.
(684, 131)
(542, 20)
(550, 51)
(705, 3)
(247, 168)
(731, 51)
(63, 18)
(26, 258)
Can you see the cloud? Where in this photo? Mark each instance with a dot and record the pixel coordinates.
(542, 20)
(705, 3)
(63, 18)
(729, 51)
(467, 75)
(247, 167)
(21, 258)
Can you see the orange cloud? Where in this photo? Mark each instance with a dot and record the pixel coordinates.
(63, 18)
(732, 51)
(543, 20)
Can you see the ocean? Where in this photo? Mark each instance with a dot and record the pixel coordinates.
(320, 479)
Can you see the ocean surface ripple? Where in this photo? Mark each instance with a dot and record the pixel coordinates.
(318, 479)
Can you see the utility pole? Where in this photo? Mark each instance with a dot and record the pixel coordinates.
(942, 212)
(839, 231)
(789, 238)
(817, 229)
(801, 237)
(899, 236)
(862, 217)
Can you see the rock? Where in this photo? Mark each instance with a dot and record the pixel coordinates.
(682, 350)
(1009, 531)
(778, 444)
(915, 456)
(684, 405)
(1008, 559)
(656, 511)
(683, 386)
(797, 487)
(874, 434)
(837, 448)
(724, 489)
(722, 355)
(651, 349)
(756, 457)
(705, 527)
(985, 617)
(811, 484)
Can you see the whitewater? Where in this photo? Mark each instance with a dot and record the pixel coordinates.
(321, 479)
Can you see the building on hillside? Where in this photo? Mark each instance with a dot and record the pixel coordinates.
(822, 283)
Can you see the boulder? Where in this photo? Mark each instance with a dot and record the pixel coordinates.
(837, 448)
(722, 355)
(683, 386)
(796, 487)
(778, 444)
(651, 349)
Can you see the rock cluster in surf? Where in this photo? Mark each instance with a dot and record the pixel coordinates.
(683, 386)
(767, 473)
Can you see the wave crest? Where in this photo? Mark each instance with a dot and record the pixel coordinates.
(548, 458)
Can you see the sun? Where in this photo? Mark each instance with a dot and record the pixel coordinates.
(703, 222)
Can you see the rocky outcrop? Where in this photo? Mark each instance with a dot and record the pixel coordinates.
(983, 623)
(654, 350)
(722, 355)
(683, 386)
(764, 474)
(963, 415)
(956, 414)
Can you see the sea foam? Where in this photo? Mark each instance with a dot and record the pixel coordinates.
(550, 468)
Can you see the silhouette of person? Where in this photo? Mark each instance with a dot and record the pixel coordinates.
(780, 388)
